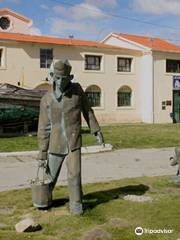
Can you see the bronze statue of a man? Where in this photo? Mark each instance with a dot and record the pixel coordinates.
(59, 130)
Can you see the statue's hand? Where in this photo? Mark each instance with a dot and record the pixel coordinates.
(173, 161)
(42, 155)
(41, 163)
(100, 138)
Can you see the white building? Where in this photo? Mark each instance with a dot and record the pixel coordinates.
(127, 78)
(159, 68)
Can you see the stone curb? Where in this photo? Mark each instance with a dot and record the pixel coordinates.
(84, 150)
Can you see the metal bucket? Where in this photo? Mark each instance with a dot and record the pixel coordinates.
(41, 192)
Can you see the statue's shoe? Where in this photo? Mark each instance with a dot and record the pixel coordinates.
(175, 179)
(173, 161)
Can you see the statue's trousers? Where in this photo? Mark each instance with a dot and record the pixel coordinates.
(73, 162)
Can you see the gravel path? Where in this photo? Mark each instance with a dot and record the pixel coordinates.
(16, 171)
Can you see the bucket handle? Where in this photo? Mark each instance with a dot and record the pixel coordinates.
(37, 176)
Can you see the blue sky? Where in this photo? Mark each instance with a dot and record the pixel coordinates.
(94, 19)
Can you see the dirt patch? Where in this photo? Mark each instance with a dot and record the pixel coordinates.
(96, 234)
(27, 215)
(50, 216)
(6, 211)
(137, 198)
(61, 212)
(118, 223)
(3, 226)
(170, 190)
(65, 232)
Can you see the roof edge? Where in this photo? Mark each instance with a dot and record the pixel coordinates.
(132, 42)
(108, 36)
(54, 40)
(17, 15)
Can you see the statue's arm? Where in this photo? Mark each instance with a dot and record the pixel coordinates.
(88, 114)
(44, 128)
(90, 118)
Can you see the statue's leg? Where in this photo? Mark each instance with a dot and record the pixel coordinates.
(54, 165)
(74, 182)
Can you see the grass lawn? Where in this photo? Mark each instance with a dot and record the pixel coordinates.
(119, 135)
(105, 211)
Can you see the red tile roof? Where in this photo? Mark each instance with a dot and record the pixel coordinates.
(7, 11)
(150, 42)
(60, 41)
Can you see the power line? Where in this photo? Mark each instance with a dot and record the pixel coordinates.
(117, 16)
(125, 17)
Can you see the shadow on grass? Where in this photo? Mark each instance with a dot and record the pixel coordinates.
(59, 202)
(91, 200)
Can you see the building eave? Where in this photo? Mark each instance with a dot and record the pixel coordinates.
(166, 51)
(16, 37)
(7, 11)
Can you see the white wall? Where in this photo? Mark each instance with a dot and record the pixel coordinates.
(17, 25)
(144, 75)
(163, 85)
(23, 64)
(146, 87)
(115, 41)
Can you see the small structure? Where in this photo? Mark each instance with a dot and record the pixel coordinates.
(19, 109)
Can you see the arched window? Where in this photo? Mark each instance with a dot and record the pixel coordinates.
(5, 23)
(43, 86)
(93, 94)
(124, 95)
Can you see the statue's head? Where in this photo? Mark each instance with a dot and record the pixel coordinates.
(60, 74)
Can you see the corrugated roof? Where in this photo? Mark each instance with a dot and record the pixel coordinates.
(60, 41)
(150, 42)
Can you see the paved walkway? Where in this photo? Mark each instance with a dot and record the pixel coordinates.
(16, 171)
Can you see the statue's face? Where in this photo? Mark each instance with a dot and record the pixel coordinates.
(61, 82)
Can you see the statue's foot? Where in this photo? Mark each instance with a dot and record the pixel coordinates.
(175, 179)
(173, 161)
(76, 208)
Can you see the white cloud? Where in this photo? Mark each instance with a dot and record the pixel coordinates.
(35, 31)
(66, 28)
(12, 1)
(59, 9)
(157, 6)
(83, 20)
(86, 11)
(80, 11)
(43, 6)
(104, 3)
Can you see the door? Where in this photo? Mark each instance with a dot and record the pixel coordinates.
(176, 106)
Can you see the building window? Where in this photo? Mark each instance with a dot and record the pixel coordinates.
(93, 62)
(172, 66)
(4, 23)
(93, 94)
(1, 56)
(124, 96)
(124, 64)
(46, 58)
